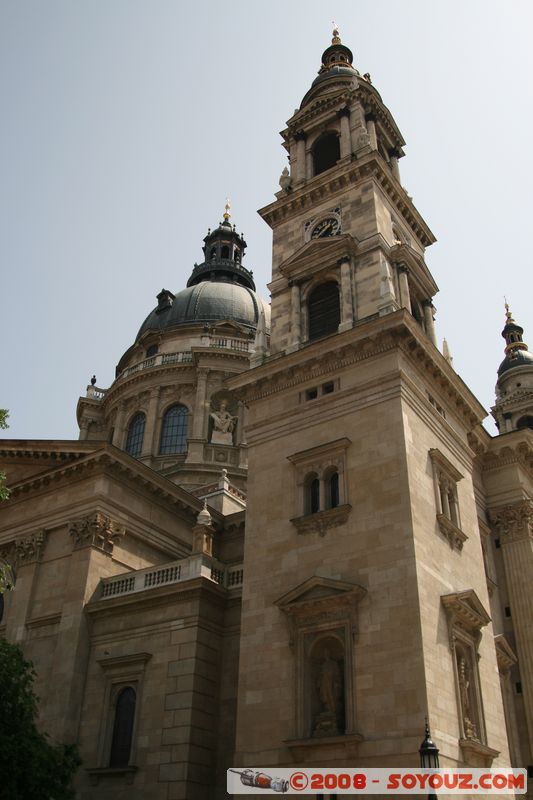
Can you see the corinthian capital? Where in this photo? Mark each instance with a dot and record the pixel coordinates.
(96, 530)
(29, 548)
(515, 522)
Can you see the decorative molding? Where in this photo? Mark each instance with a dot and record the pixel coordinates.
(313, 750)
(440, 460)
(476, 754)
(514, 523)
(29, 548)
(96, 530)
(465, 610)
(321, 600)
(455, 535)
(504, 654)
(131, 660)
(96, 773)
(322, 520)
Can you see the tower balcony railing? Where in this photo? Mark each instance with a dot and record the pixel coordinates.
(242, 345)
(186, 569)
(160, 360)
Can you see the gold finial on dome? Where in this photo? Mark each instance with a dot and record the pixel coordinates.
(508, 313)
(227, 207)
(336, 36)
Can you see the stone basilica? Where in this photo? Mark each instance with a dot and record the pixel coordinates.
(284, 537)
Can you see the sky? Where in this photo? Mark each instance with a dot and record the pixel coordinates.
(127, 123)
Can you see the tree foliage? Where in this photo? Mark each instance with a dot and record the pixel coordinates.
(30, 765)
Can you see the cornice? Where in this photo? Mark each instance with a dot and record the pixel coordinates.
(367, 339)
(64, 451)
(338, 179)
(507, 449)
(156, 596)
(111, 458)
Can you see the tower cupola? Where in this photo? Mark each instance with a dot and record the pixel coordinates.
(514, 387)
(223, 252)
(516, 352)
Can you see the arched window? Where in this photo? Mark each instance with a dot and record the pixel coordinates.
(134, 442)
(332, 490)
(326, 152)
(123, 728)
(312, 494)
(224, 253)
(525, 422)
(213, 253)
(152, 350)
(324, 310)
(174, 431)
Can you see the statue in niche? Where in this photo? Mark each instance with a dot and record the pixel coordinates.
(464, 690)
(223, 425)
(329, 685)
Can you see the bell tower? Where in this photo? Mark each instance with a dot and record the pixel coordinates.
(348, 240)
(365, 600)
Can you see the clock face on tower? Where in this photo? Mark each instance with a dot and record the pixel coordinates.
(326, 227)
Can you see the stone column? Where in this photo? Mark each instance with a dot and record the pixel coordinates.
(119, 425)
(296, 327)
(300, 170)
(428, 307)
(405, 297)
(393, 156)
(514, 524)
(309, 165)
(199, 405)
(346, 295)
(345, 142)
(149, 442)
(371, 128)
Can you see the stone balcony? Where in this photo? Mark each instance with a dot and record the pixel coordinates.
(186, 569)
(240, 346)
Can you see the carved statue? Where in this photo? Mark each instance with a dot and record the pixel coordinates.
(329, 686)
(223, 425)
(464, 686)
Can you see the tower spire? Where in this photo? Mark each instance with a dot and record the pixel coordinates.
(512, 333)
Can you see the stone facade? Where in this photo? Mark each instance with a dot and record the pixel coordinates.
(331, 547)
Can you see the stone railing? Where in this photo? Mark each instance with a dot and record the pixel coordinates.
(185, 569)
(94, 393)
(242, 345)
(160, 360)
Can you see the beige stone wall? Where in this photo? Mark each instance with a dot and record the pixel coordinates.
(185, 690)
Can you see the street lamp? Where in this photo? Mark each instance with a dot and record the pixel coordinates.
(429, 755)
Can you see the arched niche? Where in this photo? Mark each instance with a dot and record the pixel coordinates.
(326, 682)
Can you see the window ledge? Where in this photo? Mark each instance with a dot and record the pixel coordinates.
(322, 520)
(476, 754)
(95, 773)
(449, 529)
(317, 747)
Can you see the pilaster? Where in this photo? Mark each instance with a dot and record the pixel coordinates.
(514, 524)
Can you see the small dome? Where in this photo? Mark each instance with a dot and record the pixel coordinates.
(517, 358)
(209, 302)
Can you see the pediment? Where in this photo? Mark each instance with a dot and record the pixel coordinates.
(320, 591)
(22, 459)
(318, 254)
(466, 609)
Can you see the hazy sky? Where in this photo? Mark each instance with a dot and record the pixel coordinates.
(125, 123)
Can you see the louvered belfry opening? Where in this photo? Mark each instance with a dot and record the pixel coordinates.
(324, 310)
